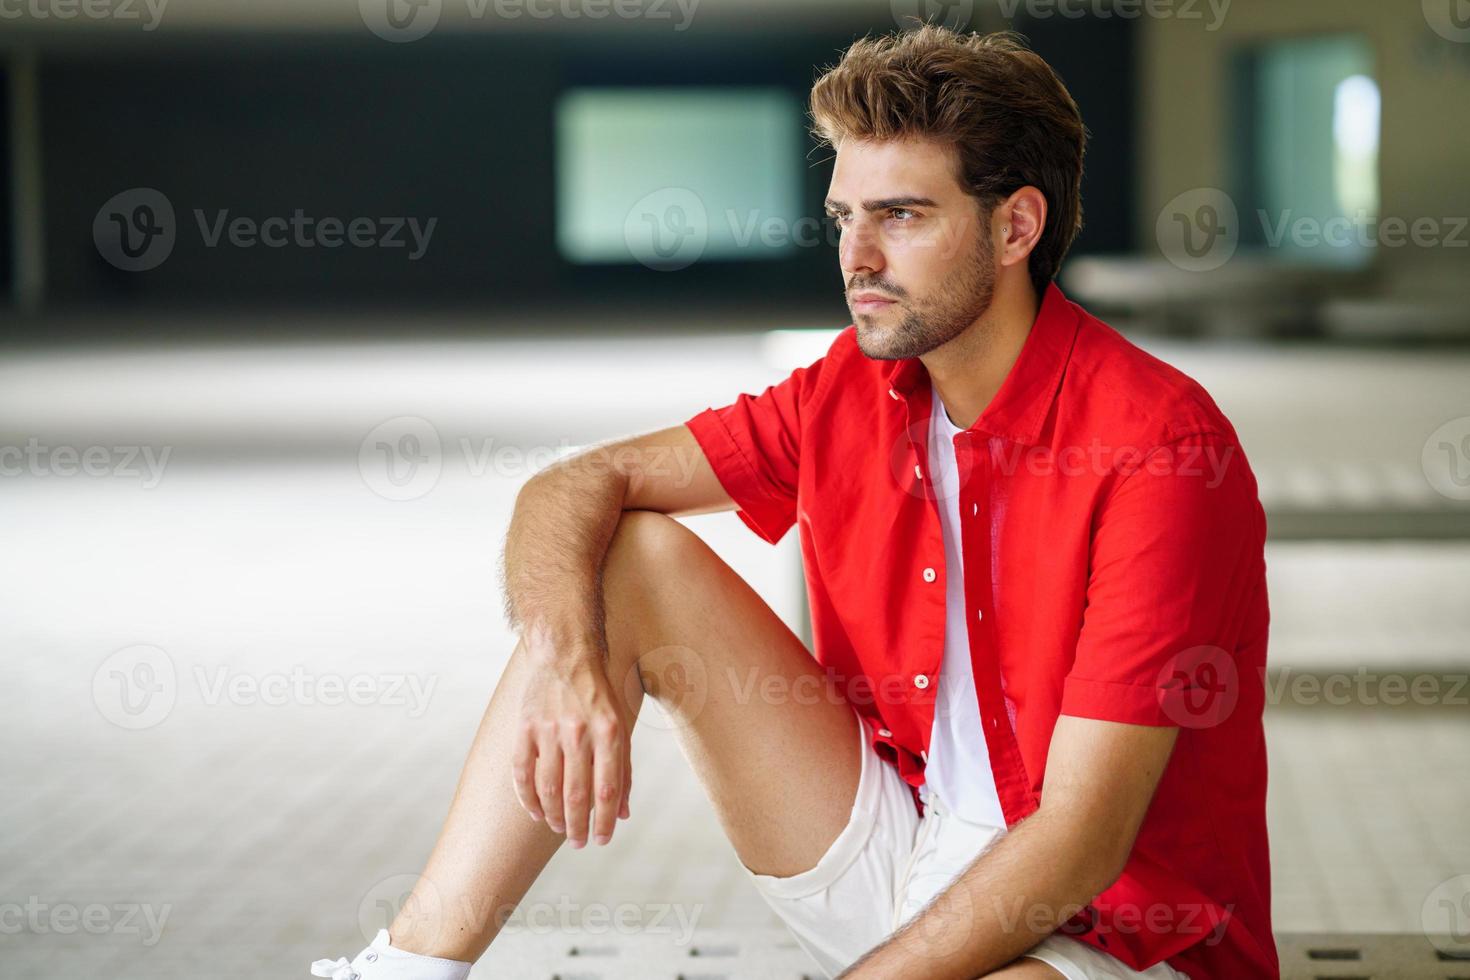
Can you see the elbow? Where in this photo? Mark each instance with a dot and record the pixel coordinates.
(1099, 852)
(1109, 857)
(1109, 868)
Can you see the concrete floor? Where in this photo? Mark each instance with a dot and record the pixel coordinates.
(165, 814)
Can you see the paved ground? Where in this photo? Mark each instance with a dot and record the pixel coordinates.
(183, 799)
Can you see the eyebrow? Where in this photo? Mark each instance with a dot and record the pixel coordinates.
(885, 203)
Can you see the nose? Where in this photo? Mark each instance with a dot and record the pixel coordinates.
(858, 250)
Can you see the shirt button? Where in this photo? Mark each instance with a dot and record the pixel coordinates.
(885, 733)
(974, 509)
(893, 394)
(979, 614)
(924, 755)
(921, 681)
(930, 575)
(918, 472)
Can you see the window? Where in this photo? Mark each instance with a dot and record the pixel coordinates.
(667, 177)
(1305, 131)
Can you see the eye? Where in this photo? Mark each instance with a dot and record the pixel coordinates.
(895, 211)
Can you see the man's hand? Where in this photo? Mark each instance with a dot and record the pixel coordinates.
(572, 744)
(572, 749)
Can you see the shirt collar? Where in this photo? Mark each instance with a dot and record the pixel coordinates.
(1024, 400)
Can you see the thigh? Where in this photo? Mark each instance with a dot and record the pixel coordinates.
(1025, 969)
(768, 732)
(1074, 960)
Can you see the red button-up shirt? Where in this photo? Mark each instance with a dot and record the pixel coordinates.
(1114, 568)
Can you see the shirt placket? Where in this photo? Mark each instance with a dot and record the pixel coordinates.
(923, 677)
(975, 462)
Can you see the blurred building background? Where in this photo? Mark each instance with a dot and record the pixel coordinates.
(297, 294)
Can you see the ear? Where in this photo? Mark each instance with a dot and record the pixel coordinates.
(1017, 224)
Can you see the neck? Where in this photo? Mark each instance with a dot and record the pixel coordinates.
(968, 370)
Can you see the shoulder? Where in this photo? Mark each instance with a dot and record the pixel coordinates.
(1133, 396)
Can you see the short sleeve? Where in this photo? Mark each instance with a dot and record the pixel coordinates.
(1177, 552)
(754, 446)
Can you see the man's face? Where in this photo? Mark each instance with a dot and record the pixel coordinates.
(909, 233)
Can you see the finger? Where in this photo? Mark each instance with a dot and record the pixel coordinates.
(523, 770)
(623, 811)
(577, 779)
(549, 778)
(607, 777)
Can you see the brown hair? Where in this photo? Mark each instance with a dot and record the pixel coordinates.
(1003, 107)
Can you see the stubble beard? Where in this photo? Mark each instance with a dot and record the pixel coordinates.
(958, 302)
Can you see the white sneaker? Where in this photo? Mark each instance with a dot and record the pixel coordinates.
(383, 961)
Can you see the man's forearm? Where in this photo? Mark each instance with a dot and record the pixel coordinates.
(551, 567)
(1009, 899)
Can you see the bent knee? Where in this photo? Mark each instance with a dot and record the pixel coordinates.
(653, 565)
(649, 545)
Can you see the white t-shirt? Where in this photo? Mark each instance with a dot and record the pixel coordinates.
(958, 768)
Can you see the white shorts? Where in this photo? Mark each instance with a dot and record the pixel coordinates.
(886, 865)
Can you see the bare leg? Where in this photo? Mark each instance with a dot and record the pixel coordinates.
(769, 735)
(1025, 969)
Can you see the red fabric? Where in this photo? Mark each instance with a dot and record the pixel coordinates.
(1114, 550)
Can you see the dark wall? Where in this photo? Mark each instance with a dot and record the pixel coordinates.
(453, 127)
(7, 219)
(1096, 58)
